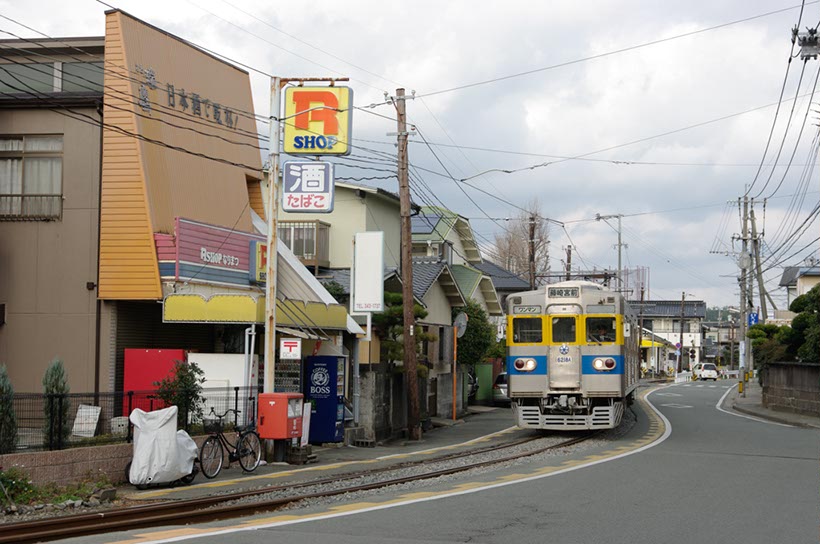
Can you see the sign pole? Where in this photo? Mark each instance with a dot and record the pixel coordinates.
(270, 273)
(455, 358)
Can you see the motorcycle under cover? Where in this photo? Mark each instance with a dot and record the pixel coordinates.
(161, 453)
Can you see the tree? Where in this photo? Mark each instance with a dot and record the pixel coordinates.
(512, 246)
(478, 336)
(55, 409)
(805, 336)
(8, 418)
(183, 388)
(391, 328)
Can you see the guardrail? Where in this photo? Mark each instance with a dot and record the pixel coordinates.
(682, 377)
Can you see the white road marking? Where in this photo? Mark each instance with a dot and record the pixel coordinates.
(677, 405)
(720, 402)
(669, 395)
(667, 432)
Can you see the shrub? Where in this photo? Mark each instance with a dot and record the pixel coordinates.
(55, 408)
(16, 486)
(8, 418)
(183, 388)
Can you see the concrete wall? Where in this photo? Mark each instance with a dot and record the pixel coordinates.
(792, 387)
(45, 265)
(444, 395)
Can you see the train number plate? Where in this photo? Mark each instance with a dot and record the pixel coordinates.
(531, 310)
(563, 359)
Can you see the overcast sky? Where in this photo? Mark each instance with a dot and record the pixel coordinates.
(586, 88)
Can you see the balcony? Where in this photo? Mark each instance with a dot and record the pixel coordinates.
(309, 240)
(20, 207)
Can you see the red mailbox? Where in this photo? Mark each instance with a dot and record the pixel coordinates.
(280, 415)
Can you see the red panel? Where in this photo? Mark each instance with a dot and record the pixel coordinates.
(143, 367)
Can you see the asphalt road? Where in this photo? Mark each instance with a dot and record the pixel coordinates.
(713, 477)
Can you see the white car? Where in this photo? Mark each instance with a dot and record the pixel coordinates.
(707, 371)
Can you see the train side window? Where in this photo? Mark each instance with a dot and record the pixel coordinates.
(600, 329)
(563, 329)
(527, 330)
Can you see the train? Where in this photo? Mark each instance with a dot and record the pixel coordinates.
(572, 356)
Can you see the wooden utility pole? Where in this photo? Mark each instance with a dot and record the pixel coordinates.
(532, 251)
(413, 429)
(680, 349)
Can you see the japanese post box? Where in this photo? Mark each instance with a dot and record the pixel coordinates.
(280, 415)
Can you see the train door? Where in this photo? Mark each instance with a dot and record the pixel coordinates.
(565, 353)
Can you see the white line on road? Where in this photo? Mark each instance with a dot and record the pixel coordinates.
(719, 407)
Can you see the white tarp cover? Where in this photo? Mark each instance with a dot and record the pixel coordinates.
(161, 453)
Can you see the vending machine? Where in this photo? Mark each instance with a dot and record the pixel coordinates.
(324, 390)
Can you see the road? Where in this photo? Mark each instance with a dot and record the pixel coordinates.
(703, 475)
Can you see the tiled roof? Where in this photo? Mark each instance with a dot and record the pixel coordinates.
(425, 275)
(789, 276)
(503, 279)
(466, 277)
(342, 276)
(670, 308)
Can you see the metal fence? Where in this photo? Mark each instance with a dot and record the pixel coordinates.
(55, 422)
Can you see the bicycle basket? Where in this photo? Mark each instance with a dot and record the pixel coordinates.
(212, 425)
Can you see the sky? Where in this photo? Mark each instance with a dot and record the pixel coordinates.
(657, 111)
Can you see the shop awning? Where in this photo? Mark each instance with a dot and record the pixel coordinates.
(247, 309)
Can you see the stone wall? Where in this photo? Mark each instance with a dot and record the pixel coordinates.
(792, 387)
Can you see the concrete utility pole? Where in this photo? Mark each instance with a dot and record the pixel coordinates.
(414, 431)
(758, 269)
(619, 275)
(680, 349)
(270, 270)
(532, 251)
(745, 261)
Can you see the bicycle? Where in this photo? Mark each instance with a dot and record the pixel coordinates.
(247, 449)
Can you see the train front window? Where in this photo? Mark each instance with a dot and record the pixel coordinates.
(600, 329)
(563, 329)
(527, 330)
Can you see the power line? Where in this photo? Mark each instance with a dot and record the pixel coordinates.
(610, 53)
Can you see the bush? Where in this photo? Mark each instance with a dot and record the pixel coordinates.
(183, 388)
(8, 418)
(55, 408)
(16, 486)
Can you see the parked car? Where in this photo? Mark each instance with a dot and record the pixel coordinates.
(472, 386)
(500, 389)
(705, 371)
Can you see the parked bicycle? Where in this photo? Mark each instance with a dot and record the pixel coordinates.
(247, 449)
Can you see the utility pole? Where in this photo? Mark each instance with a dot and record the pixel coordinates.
(680, 342)
(414, 431)
(569, 262)
(270, 270)
(745, 261)
(532, 252)
(619, 274)
(758, 269)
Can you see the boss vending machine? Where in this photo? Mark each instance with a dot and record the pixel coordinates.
(324, 390)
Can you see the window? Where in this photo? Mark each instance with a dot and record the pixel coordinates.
(27, 78)
(563, 329)
(82, 77)
(31, 177)
(527, 330)
(601, 329)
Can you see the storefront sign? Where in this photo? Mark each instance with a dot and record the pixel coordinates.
(317, 120)
(290, 348)
(308, 187)
(258, 269)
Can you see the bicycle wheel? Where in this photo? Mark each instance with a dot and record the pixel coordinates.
(210, 457)
(250, 451)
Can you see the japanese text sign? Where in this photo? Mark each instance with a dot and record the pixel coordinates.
(308, 187)
(290, 348)
(317, 120)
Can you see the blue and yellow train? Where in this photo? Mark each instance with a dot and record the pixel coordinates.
(573, 356)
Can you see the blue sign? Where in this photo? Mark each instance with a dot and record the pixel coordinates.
(753, 318)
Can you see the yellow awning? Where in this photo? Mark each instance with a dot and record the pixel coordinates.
(246, 309)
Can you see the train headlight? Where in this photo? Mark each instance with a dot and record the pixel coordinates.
(603, 364)
(525, 365)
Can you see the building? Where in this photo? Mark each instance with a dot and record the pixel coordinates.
(798, 280)
(678, 323)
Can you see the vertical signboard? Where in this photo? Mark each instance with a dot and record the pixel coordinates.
(307, 187)
(368, 272)
(317, 120)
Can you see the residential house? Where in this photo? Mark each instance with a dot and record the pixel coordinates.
(798, 280)
(677, 322)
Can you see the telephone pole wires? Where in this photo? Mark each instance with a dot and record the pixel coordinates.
(408, 302)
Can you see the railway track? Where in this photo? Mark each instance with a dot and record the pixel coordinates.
(239, 504)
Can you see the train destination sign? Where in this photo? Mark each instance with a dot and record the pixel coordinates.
(317, 120)
(563, 292)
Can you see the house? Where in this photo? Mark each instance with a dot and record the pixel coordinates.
(798, 280)
(678, 323)
(139, 235)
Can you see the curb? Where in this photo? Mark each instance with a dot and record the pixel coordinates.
(776, 419)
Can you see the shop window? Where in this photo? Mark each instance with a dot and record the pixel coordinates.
(31, 177)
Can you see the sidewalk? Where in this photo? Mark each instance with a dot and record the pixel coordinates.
(752, 404)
